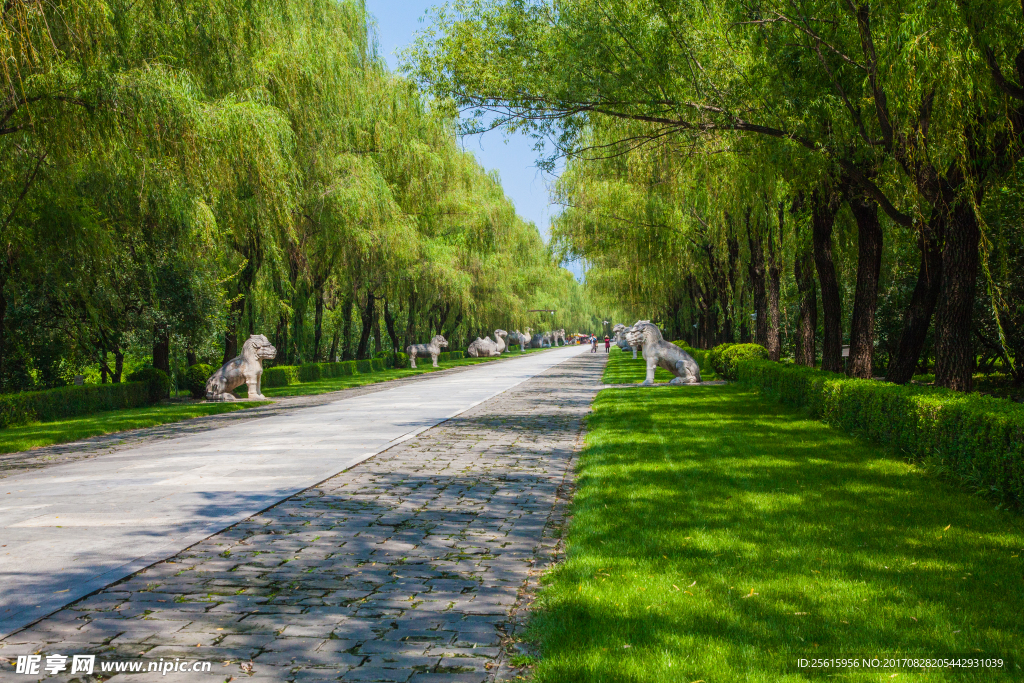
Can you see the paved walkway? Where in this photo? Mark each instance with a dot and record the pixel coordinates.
(63, 453)
(404, 568)
(70, 529)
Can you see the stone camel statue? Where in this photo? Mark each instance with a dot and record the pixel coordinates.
(483, 348)
(244, 369)
(431, 350)
(499, 340)
(660, 353)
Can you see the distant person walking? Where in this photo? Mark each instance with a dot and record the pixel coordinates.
(593, 344)
(607, 344)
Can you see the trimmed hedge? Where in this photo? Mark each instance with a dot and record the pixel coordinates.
(157, 380)
(285, 375)
(55, 404)
(979, 439)
(736, 353)
(195, 379)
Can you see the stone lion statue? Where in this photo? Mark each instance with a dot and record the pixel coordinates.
(660, 353)
(245, 369)
(431, 350)
(483, 348)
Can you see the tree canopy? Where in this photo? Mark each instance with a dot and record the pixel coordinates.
(178, 174)
(797, 154)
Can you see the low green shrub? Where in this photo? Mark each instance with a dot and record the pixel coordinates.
(364, 366)
(195, 379)
(401, 360)
(736, 353)
(311, 372)
(714, 357)
(377, 365)
(280, 376)
(56, 404)
(157, 380)
(456, 355)
(978, 439)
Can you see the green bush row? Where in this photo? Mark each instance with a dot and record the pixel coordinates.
(284, 375)
(978, 439)
(55, 404)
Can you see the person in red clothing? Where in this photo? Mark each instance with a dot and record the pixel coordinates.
(607, 345)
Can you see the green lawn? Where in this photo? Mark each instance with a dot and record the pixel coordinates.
(622, 369)
(717, 537)
(39, 434)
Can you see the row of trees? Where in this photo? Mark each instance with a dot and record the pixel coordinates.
(178, 174)
(804, 172)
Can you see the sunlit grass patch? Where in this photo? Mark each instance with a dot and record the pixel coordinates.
(23, 438)
(718, 537)
(622, 369)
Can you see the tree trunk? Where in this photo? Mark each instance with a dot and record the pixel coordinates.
(190, 357)
(334, 344)
(869, 266)
(918, 316)
(118, 365)
(823, 216)
(104, 368)
(729, 335)
(318, 322)
(231, 331)
(774, 286)
(368, 315)
(346, 328)
(757, 281)
(410, 325)
(389, 322)
(162, 348)
(954, 346)
(807, 327)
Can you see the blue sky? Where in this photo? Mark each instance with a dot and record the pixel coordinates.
(513, 157)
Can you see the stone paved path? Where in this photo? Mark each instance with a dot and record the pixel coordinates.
(404, 568)
(58, 454)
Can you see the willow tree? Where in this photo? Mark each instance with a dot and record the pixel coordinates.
(913, 108)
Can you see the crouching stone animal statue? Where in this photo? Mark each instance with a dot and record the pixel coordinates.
(660, 353)
(483, 348)
(499, 340)
(431, 350)
(245, 369)
(620, 340)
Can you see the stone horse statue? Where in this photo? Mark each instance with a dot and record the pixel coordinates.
(244, 369)
(431, 350)
(660, 353)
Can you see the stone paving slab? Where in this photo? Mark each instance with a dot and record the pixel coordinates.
(70, 529)
(405, 568)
